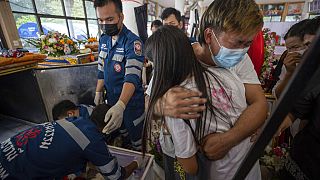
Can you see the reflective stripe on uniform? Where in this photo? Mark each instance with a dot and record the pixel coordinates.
(75, 133)
(133, 70)
(116, 175)
(139, 120)
(134, 62)
(107, 169)
(117, 57)
(137, 143)
(100, 64)
(89, 108)
(103, 54)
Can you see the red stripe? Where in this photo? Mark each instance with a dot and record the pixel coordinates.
(131, 1)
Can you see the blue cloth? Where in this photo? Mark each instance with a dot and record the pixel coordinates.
(85, 111)
(48, 151)
(121, 63)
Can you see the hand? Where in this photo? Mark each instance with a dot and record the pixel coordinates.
(291, 60)
(98, 99)
(141, 162)
(114, 117)
(216, 146)
(181, 103)
(287, 122)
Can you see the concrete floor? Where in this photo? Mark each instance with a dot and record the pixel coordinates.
(11, 126)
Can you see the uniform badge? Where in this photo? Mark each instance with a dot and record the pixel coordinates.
(117, 67)
(137, 48)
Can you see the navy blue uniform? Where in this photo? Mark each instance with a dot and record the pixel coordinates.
(120, 63)
(85, 111)
(55, 149)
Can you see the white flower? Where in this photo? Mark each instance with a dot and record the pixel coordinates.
(52, 40)
(43, 37)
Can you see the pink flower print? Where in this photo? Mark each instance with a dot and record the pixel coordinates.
(220, 99)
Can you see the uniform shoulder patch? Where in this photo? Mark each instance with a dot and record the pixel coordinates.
(137, 48)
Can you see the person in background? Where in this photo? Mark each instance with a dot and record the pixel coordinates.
(172, 17)
(155, 25)
(288, 62)
(304, 158)
(227, 29)
(120, 66)
(55, 149)
(291, 57)
(177, 65)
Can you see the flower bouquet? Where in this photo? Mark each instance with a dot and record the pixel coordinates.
(92, 43)
(55, 44)
(269, 58)
(274, 159)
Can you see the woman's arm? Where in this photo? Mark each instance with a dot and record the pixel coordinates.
(189, 165)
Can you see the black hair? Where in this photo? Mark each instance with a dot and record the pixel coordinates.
(297, 30)
(98, 114)
(101, 3)
(169, 11)
(61, 109)
(156, 23)
(174, 62)
(312, 26)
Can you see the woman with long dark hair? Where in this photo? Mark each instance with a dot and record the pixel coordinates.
(175, 65)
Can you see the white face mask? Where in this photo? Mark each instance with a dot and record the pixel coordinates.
(301, 52)
(227, 57)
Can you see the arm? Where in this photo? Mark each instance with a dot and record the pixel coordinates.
(100, 85)
(98, 154)
(185, 146)
(129, 169)
(302, 110)
(289, 62)
(127, 92)
(217, 145)
(189, 165)
(283, 84)
(254, 116)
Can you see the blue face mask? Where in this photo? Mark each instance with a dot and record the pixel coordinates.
(228, 57)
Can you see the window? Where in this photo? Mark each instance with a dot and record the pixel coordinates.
(272, 12)
(311, 16)
(76, 18)
(293, 18)
(51, 7)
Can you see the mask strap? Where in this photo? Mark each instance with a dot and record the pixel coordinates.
(216, 38)
(210, 49)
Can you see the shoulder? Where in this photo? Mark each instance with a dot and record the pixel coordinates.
(130, 36)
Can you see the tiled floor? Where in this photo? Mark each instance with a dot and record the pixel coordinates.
(11, 126)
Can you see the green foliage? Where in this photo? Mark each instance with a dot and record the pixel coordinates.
(24, 19)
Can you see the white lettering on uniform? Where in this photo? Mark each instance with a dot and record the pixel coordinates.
(3, 172)
(9, 150)
(48, 136)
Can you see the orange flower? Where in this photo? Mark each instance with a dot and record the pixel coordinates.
(92, 39)
(62, 41)
(69, 41)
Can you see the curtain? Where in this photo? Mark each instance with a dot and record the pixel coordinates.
(142, 20)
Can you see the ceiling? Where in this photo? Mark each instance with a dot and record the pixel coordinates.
(170, 3)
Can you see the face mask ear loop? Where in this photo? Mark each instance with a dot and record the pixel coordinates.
(214, 35)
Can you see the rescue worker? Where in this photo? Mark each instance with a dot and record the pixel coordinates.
(120, 65)
(66, 108)
(56, 149)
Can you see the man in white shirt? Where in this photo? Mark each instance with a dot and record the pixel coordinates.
(225, 35)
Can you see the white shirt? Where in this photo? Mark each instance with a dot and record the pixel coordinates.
(228, 97)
